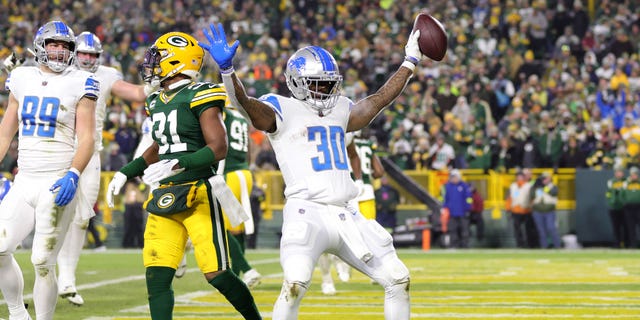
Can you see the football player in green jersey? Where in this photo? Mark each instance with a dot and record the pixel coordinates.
(189, 141)
(240, 180)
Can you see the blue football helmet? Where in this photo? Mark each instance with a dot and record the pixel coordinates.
(54, 31)
(88, 42)
(312, 76)
(5, 185)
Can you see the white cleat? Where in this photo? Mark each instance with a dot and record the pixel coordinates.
(328, 289)
(70, 293)
(251, 278)
(76, 299)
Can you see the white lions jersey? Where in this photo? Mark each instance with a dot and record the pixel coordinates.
(311, 150)
(47, 115)
(107, 77)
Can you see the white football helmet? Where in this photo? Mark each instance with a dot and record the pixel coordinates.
(88, 42)
(54, 31)
(312, 76)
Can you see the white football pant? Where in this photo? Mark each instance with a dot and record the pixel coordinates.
(28, 205)
(309, 229)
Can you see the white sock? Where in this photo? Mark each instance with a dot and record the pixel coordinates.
(69, 255)
(12, 286)
(45, 292)
(396, 302)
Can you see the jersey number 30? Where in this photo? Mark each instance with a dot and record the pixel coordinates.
(333, 152)
(39, 117)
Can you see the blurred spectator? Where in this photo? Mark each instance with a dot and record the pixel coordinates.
(115, 160)
(387, 200)
(545, 199)
(456, 198)
(475, 216)
(572, 155)
(616, 208)
(133, 216)
(518, 204)
(266, 157)
(630, 195)
(478, 153)
(441, 154)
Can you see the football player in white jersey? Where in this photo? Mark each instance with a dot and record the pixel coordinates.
(50, 106)
(307, 132)
(87, 52)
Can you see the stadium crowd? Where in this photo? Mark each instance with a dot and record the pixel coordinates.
(525, 83)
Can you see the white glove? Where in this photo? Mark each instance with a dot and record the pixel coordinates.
(412, 50)
(151, 87)
(160, 170)
(118, 181)
(11, 62)
(360, 185)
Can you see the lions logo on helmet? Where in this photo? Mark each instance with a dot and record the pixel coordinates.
(173, 53)
(312, 76)
(88, 42)
(5, 185)
(57, 60)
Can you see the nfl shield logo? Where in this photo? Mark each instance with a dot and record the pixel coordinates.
(342, 217)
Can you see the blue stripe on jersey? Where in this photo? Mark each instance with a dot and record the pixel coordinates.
(273, 101)
(325, 58)
(92, 87)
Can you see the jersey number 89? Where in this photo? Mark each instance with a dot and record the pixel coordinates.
(39, 117)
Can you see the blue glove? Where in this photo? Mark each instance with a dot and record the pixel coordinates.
(218, 46)
(66, 187)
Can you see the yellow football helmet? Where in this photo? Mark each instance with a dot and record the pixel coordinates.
(171, 54)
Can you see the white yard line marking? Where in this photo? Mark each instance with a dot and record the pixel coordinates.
(98, 284)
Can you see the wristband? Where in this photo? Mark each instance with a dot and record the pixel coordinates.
(201, 158)
(408, 64)
(74, 170)
(134, 168)
(228, 70)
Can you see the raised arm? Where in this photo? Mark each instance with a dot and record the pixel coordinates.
(260, 114)
(366, 109)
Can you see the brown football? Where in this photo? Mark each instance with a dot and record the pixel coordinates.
(433, 37)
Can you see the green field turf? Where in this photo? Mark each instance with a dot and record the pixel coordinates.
(475, 284)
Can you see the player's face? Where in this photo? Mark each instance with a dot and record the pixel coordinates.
(58, 50)
(86, 59)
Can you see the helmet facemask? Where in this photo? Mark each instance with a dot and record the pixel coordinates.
(150, 69)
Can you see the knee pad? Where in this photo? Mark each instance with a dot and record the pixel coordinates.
(394, 270)
(298, 269)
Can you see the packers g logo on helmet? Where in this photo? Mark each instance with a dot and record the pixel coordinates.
(173, 53)
(166, 200)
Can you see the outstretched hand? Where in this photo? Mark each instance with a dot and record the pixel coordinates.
(218, 47)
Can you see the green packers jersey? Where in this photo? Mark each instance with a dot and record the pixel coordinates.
(365, 150)
(238, 138)
(176, 123)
